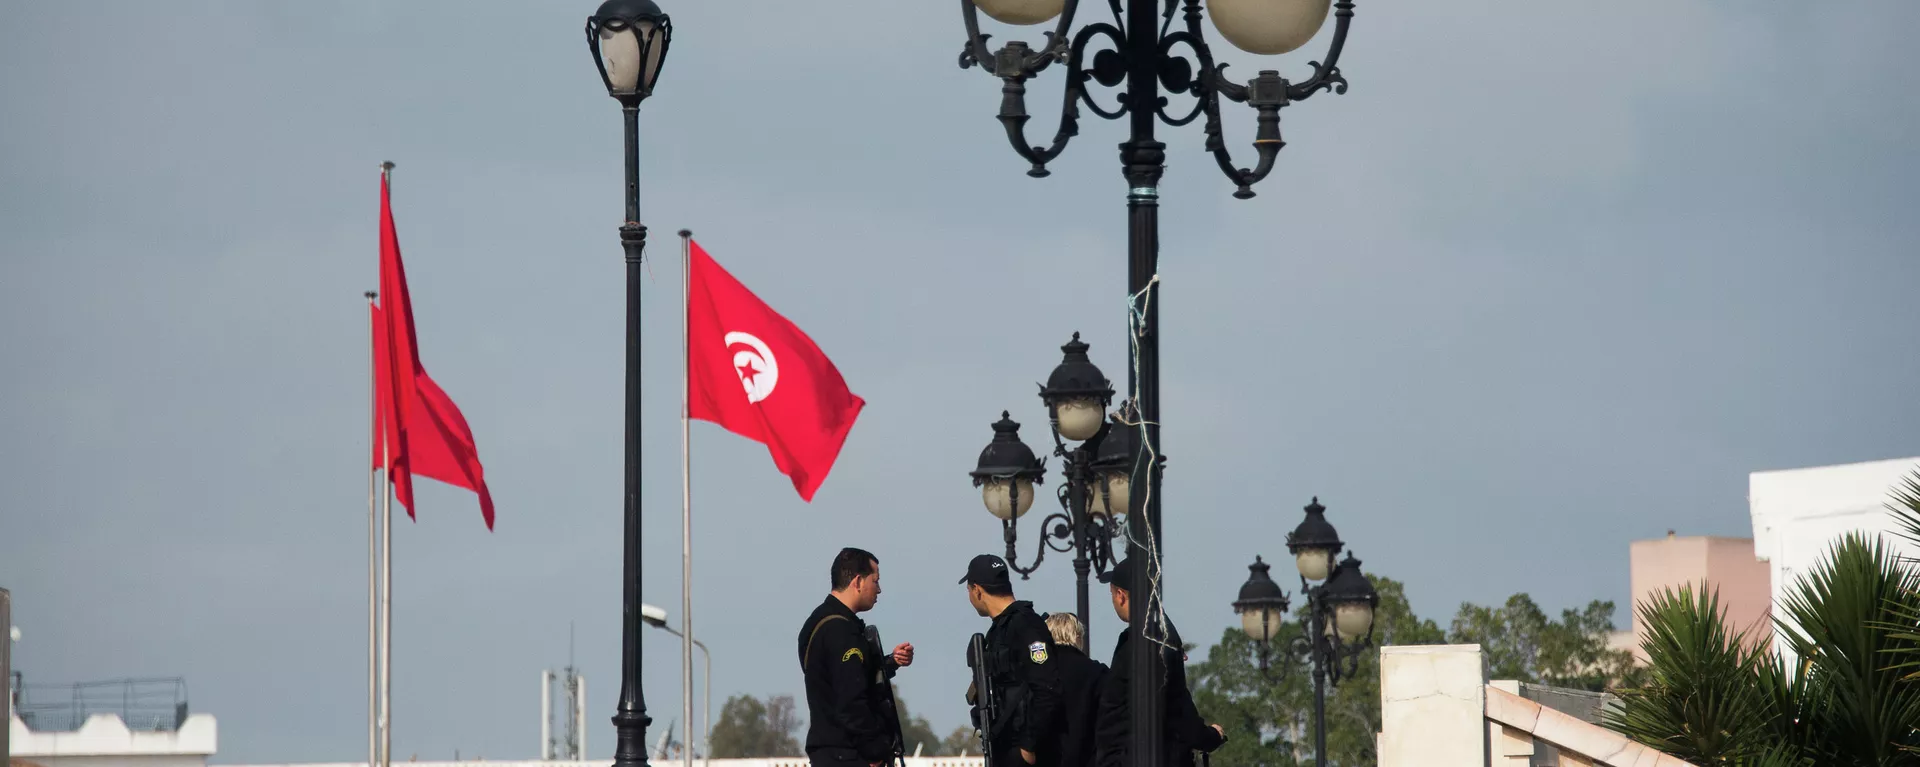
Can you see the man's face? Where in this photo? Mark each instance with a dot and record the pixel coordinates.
(1120, 605)
(866, 589)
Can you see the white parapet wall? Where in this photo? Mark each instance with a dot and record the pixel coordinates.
(1433, 706)
(1437, 709)
(103, 740)
(795, 761)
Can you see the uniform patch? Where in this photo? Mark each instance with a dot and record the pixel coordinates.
(1038, 652)
(852, 653)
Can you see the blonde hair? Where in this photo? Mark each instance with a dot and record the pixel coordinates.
(1066, 630)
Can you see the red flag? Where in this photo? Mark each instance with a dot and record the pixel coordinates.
(755, 374)
(423, 431)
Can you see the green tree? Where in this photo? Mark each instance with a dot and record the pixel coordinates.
(1269, 717)
(916, 731)
(1521, 643)
(961, 742)
(749, 728)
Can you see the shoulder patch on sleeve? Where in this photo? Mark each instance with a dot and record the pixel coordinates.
(853, 652)
(1038, 652)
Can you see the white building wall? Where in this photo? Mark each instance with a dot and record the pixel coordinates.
(1798, 514)
(105, 741)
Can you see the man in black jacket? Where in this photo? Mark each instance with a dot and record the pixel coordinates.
(849, 721)
(1080, 678)
(1019, 653)
(1185, 732)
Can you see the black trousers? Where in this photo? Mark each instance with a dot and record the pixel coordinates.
(836, 757)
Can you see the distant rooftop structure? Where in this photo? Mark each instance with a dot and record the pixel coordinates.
(156, 704)
(1726, 566)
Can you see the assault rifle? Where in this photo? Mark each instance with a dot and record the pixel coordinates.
(985, 711)
(883, 687)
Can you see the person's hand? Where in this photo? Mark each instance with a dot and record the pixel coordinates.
(1027, 756)
(971, 695)
(903, 654)
(1216, 728)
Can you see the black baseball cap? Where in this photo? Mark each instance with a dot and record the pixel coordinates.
(988, 570)
(1121, 574)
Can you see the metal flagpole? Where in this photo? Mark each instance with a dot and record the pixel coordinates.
(686, 501)
(386, 577)
(386, 614)
(373, 556)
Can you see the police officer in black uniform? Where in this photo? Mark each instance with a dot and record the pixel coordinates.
(849, 702)
(1184, 732)
(1018, 648)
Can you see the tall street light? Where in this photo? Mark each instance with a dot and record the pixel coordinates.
(1139, 53)
(1339, 620)
(1097, 472)
(628, 39)
(657, 618)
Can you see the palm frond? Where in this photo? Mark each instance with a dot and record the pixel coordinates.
(1705, 697)
(1839, 619)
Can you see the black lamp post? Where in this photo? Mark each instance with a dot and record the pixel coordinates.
(1139, 53)
(1097, 472)
(628, 39)
(1339, 619)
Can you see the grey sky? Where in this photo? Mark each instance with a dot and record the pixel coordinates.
(1552, 277)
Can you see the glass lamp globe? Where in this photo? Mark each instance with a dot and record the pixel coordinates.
(1268, 27)
(1261, 624)
(1080, 418)
(1021, 12)
(1004, 504)
(1353, 620)
(1314, 564)
(1114, 501)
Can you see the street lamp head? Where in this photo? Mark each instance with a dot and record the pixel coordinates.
(653, 616)
(1020, 12)
(1314, 543)
(1262, 606)
(14, 633)
(629, 39)
(1077, 393)
(1113, 463)
(1268, 27)
(1352, 597)
(1007, 471)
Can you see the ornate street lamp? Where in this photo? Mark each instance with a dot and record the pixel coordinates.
(628, 40)
(1140, 53)
(1262, 607)
(1339, 621)
(1006, 474)
(1096, 471)
(1314, 544)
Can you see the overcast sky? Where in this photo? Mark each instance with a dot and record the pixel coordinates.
(1551, 278)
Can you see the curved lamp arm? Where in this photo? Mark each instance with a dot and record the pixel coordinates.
(1267, 93)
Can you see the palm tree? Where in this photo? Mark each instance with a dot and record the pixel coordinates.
(1718, 697)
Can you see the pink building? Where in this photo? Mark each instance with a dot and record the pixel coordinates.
(1727, 565)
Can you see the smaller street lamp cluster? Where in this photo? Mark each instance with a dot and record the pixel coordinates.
(1339, 620)
(1096, 454)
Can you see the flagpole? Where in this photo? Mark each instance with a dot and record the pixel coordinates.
(386, 580)
(686, 504)
(373, 556)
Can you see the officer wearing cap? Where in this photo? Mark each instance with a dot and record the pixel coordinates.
(1185, 732)
(1018, 647)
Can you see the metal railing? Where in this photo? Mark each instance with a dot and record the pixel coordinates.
(154, 704)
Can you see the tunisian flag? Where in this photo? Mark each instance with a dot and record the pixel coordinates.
(755, 374)
(422, 430)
